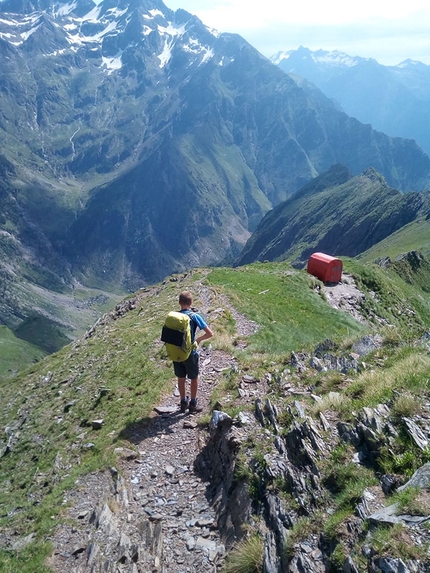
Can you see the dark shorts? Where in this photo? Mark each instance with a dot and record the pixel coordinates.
(190, 367)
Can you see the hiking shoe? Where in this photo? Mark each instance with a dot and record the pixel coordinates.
(184, 404)
(193, 405)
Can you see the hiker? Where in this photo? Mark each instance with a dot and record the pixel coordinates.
(190, 367)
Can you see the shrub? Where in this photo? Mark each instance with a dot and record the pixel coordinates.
(247, 556)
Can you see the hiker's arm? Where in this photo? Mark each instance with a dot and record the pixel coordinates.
(207, 334)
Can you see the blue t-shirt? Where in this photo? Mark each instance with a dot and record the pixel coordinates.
(196, 322)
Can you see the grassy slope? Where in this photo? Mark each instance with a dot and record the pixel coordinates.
(411, 237)
(48, 319)
(120, 372)
(14, 352)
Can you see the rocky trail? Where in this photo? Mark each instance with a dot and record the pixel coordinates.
(152, 512)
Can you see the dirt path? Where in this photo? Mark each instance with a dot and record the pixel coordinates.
(151, 512)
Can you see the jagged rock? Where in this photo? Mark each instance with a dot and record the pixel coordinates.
(391, 514)
(421, 478)
(298, 362)
(271, 413)
(93, 551)
(271, 561)
(220, 419)
(324, 423)
(349, 566)
(243, 419)
(127, 551)
(152, 534)
(389, 483)
(259, 411)
(416, 434)
(97, 424)
(371, 419)
(317, 364)
(299, 408)
(362, 509)
(390, 565)
(103, 518)
(23, 541)
(367, 344)
(326, 346)
(126, 453)
(305, 561)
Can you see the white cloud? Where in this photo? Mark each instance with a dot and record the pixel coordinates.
(393, 31)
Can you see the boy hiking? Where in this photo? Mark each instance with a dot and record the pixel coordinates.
(190, 367)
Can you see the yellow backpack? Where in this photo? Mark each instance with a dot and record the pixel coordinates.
(176, 334)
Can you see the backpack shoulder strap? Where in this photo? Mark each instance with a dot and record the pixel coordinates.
(193, 323)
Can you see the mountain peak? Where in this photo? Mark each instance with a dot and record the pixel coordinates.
(374, 176)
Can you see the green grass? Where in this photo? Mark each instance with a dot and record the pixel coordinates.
(412, 237)
(247, 556)
(282, 301)
(397, 295)
(16, 353)
(28, 560)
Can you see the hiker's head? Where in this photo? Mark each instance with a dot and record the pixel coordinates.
(185, 298)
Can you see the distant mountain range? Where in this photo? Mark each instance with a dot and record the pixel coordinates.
(136, 142)
(393, 99)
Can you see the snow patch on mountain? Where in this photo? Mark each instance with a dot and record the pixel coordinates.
(155, 13)
(171, 30)
(101, 21)
(65, 9)
(166, 54)
(335, 59)
(112, 64)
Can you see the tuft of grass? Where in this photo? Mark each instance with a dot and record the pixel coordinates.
(338, 557)
(406, 404)
(303, 528)
(410, 372)
(334, 524)
(26, 560)
(242, 471)
(395, 540)
(247, 556)
(413, 501)
(338, 402)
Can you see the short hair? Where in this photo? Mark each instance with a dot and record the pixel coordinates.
(185, 297)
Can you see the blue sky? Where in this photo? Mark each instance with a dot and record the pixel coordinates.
(390, 32)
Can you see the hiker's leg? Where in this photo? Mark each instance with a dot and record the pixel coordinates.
(194, 387)
(181, 387)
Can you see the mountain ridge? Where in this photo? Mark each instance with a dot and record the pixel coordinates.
(144, 143)
(393, 99)
(336, 213)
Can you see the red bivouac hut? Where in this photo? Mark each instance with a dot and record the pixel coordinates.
(326, 268)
